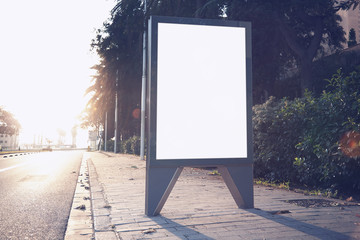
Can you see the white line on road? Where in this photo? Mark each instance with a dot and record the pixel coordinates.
(19, 165)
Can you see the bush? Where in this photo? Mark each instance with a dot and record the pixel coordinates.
(276, 132)
(132, 145)
(126, 146)
(129, 146)
(110, 146)
(299, 140)
(135, 146)
(329, 118)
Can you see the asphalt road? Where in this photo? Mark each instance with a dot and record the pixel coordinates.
(36, 193)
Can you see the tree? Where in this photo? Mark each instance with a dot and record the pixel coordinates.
(269, 49)
(102, 99)
(8, 124)
(62, 135)
(304, 26)
(119, 46)
(352, 38)
(284, 33)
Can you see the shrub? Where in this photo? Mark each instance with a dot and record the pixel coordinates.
(328, 118)
(275, 136)
(299, 140)
(135, 146)
(128, 146)
(110, 146)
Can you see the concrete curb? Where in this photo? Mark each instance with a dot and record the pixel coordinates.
(103, 227)
(80, 223)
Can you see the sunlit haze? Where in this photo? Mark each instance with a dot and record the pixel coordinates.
(45, 62)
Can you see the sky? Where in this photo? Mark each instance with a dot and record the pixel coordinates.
(45, 62)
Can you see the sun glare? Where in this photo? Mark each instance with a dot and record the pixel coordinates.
(46, 67)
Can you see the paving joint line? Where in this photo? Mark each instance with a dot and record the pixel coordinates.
(100, 228)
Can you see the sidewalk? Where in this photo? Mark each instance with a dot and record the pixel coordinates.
(199, 207)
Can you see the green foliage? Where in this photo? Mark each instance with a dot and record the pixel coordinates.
(328, 119)
(8, 124)
(131, 145)
(215, 173)
(135, 145)
(110, 146)
(276, 130)
(128, 146)
(296, 30)
(282, 185)
(299, 140)
(299, 30)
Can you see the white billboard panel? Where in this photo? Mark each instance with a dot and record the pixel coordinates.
(201, 92)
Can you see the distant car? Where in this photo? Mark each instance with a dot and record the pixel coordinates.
(48, 149)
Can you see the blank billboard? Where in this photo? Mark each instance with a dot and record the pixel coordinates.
(201, 92)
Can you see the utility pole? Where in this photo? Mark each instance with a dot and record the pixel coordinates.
(105, 148)
(143, 91)
(116, 108)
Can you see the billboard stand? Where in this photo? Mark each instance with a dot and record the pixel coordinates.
(161, 180)
(239, 180)
(159, 183)
(199, 105)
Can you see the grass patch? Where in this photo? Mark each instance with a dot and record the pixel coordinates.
(309, 191)
(285, 185)
(214, 173)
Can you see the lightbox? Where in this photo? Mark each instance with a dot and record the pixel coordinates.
(199, 92)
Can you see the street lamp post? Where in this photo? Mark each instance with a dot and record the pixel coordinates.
(143, 91)
(105, 147)
(116, 110)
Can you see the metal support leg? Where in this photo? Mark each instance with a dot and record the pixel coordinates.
(239, 180)
(159, 183)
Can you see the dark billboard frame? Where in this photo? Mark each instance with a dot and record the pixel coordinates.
(170, 169)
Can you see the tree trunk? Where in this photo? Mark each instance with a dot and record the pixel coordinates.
(304, 53)
(306, 75)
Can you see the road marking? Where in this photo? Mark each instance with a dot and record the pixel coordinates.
(18, 165)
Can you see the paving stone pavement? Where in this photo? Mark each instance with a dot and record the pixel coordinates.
(201, 207)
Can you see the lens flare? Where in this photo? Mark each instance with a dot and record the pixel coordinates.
(136, 113)
(350, 144)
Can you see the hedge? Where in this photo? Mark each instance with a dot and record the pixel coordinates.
(313, 141)
(128, 146)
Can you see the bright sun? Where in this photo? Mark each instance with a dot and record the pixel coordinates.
(45, 62)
